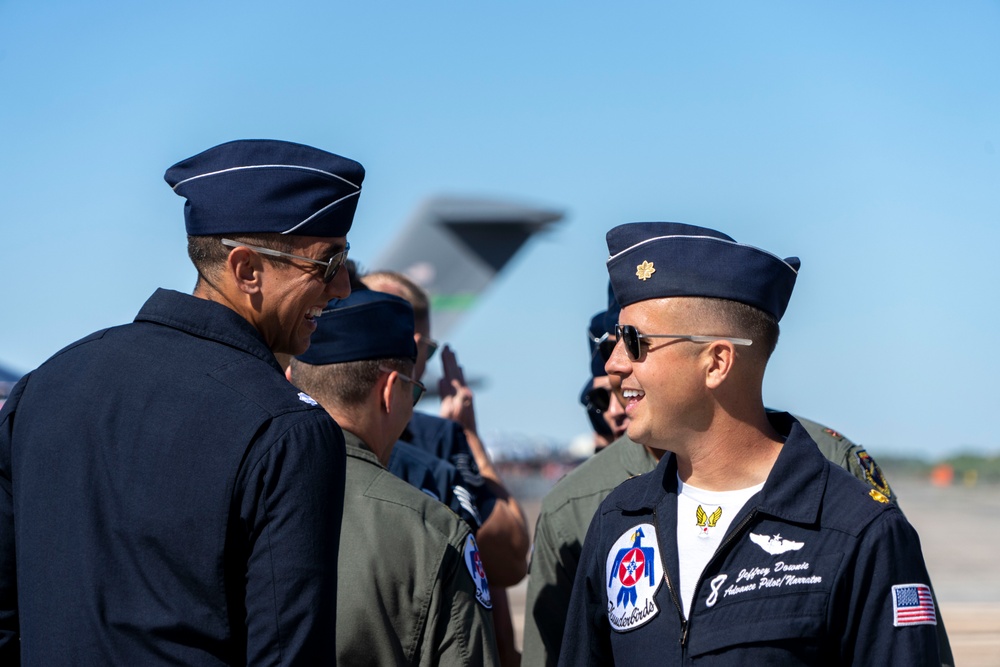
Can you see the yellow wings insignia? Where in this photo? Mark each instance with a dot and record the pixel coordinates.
(704, 518)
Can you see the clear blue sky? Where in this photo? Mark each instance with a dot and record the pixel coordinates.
(862, 137)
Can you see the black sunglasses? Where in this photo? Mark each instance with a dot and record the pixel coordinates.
(330, 266)
(633, 345)
(432, 346)
(597, 399)
(605, 345)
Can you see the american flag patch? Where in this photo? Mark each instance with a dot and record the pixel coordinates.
(912, 604)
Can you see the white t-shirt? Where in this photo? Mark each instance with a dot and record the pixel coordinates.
(702, 519)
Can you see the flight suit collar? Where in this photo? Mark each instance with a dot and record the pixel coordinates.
(205, 319)
(357, 448)
(793, 490)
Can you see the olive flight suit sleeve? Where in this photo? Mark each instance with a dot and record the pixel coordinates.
(888, 620)
(586, 639)
(553, 564)
(459, 628)
(291, 508)
(10, 645)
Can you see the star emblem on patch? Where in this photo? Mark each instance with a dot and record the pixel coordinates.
(645, 270)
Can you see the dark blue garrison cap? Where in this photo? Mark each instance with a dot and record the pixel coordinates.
(651, 260)
(266, 186)
(365, 325)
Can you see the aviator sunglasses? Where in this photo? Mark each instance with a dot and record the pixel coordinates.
(330, 266)
(633, 339)
(605, 345)
(418, 386)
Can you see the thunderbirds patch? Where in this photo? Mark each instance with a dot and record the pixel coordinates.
(475, 566)
(634, 573)
(306, 398)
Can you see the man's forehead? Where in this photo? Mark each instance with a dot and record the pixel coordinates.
(668, 309)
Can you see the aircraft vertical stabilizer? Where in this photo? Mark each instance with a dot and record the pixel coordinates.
(454, 247)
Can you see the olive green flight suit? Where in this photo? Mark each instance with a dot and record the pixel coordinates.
(405, 594)
(567, 510)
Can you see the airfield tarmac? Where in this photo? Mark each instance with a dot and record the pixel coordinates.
(959, 529)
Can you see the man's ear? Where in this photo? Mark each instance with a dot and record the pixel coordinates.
(245, 268)
(288, 372)
(388, 391)
(720, 358)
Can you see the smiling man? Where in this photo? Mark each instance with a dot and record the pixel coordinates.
(790, 560)
(166, 496)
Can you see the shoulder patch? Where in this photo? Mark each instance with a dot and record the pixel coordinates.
(634, 574)
(873, 473)
(306, 398)
(474, 564)
(912, 604)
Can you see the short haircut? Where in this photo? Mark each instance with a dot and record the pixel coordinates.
(208, 254)
(346, 384)
(741, 321)
(395, 283)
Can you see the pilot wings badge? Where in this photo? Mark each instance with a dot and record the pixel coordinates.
(634, 573)
(775, 544)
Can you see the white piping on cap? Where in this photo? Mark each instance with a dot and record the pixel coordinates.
(707, 238)
(269, 166)
(319, 212)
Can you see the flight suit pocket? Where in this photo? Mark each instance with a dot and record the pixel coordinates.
(779, 608)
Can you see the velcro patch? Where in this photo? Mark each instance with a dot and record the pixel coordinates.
(474, 564)
(633, 573)
(912, 604)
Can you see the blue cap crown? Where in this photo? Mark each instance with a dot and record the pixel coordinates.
(365, 325)
(267, 186)
(652, 260)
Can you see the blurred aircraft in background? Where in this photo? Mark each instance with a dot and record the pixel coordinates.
(454, 247)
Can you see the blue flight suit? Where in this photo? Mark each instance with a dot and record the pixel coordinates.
(804, 575)
(437, 478)
(445, 439)
(167, 497)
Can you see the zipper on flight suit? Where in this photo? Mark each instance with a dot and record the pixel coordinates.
(670, 585)
(725, 543)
